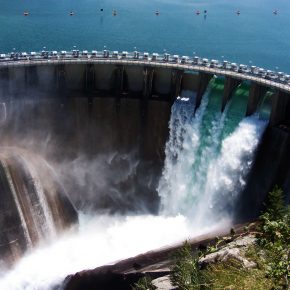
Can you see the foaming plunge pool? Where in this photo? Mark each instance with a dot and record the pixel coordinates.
(61, 155)
(101, 239)
(133, 190)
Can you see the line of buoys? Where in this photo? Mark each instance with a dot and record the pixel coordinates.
(114, 12)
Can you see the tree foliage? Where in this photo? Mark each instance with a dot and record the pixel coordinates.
(186, 273)
(144, 283)
(274, 238)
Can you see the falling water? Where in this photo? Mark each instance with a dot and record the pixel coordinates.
(208, 157)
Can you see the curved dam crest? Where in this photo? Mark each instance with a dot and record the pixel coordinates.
(116, 139)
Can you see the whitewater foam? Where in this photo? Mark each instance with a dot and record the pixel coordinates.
(194, 196)
(100, 240)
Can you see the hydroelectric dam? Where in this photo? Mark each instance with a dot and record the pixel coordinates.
(126, 133)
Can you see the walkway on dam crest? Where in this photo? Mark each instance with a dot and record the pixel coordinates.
(154, 63)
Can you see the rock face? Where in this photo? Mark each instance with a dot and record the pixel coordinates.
(33, 204)
(163, 283)
(233, 250)
(155, 264)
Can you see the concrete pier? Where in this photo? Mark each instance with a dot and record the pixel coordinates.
(103, 75)
(148, 74)
(31, 76)
(176, 82)
(203, 81)
(60, 75)
(280, 113)
(90, 78)
(162, 82)
(135, 76)
(230, 85)
(75, 76)
(190, 81)
(4, 84)
(47, 78)
(117, 80)
(256, 94)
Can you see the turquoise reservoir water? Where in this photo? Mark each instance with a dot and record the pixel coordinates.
(256, 35)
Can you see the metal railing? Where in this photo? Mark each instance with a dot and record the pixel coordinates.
(258, 75)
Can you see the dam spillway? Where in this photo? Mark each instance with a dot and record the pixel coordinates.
(102, 127)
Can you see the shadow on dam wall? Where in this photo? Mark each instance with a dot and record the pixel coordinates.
(271, 167)
(107, 154)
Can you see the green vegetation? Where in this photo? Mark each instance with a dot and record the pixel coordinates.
(231, 275)
(274, 239)
(144, 283)
(186, 273)
(271, 254)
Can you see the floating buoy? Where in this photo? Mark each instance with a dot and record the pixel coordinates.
(197, 12)
(71, 13)
(102, 9)
(114, 12)
(205, 11)
(25, 13)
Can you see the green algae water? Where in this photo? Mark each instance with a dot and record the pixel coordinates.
(209, 156)
(236, 108)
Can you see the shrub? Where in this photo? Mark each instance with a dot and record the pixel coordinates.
(144, 283)
(274, 238)
(186, 274)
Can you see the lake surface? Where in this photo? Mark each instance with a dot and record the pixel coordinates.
(255, 36)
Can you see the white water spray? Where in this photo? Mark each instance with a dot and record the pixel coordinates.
(202, 177)
(226, 175)
(204, 174)
(180, 152)
(101, 240)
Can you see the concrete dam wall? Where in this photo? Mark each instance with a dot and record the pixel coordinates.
(102, 128)
(152, 80)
